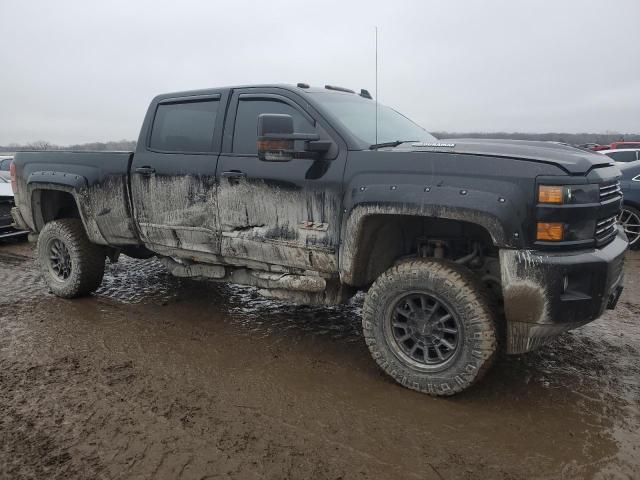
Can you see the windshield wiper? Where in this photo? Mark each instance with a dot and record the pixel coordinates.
(376, 146)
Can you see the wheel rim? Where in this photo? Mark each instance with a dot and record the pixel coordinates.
(59, 260)
(630, 222)
(424, 331)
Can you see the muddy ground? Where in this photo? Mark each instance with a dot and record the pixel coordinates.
(156, 377)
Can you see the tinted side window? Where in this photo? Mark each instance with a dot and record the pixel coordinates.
(245, 133)
(184, 127)
(623, 156)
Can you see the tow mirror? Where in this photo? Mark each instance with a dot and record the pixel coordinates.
(277, 140)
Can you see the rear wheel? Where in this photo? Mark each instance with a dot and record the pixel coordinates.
(429, 325)
(70, 264)
(629, 218)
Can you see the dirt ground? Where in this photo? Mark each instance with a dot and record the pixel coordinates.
(156, 377)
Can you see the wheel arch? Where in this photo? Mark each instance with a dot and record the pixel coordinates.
(51, 201)
(374, 237)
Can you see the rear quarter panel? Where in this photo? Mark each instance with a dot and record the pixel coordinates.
(97, 180)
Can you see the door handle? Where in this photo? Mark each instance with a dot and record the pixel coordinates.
(146, 170)
(233, 174)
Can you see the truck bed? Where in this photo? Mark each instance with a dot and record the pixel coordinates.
(97, 180)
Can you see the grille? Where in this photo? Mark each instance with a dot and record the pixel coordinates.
(610, 191)
(605, 229)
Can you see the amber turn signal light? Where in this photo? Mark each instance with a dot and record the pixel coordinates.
(550, 194)
(275, 145)
(553, 232)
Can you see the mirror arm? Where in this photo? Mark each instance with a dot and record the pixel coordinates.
(320, 146)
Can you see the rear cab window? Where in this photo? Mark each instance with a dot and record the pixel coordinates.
(184, 126)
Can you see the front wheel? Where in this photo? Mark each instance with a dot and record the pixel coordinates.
(70, 264)
(429, 325)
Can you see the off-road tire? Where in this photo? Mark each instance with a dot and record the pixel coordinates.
(464, 294)
(87, 259)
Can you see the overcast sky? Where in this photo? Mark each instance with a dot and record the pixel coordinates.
(80, 71)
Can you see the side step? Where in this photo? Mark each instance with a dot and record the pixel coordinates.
(244, 276)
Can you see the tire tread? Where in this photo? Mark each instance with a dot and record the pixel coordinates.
(89, 258)
(471, 293)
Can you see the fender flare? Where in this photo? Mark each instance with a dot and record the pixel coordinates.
(69, 180)
(352, 226)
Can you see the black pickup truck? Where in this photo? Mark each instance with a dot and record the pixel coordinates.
(311, 194)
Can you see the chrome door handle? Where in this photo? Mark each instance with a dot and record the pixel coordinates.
(146, 170)
(233, 174)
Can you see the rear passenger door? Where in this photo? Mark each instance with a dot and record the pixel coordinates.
(173, 175)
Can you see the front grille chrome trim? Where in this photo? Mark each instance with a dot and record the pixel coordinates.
(610, 190)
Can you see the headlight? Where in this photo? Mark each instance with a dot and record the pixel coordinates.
(636, 178)
(569, 194)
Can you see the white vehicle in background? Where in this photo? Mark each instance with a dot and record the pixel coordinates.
(5, 163)
(6, 201)
(622, 155)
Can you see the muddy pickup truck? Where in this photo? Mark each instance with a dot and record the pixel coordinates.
(463, 246)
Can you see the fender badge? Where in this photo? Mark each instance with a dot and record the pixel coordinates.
(434, 145)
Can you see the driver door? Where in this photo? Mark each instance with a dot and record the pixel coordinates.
(283, 213)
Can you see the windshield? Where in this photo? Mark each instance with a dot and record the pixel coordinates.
(358, 115)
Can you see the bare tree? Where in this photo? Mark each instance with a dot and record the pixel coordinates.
(40, 145)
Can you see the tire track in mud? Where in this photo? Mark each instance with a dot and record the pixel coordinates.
(105, 415)
(126, 424)
(133, 281)
(20, 279)
(127, 281)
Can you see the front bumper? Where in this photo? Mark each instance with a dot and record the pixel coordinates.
(547, 293)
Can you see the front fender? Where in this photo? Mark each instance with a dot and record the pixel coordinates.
(497, 194)
(493, 212)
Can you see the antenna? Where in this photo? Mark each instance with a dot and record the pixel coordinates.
(376, 84)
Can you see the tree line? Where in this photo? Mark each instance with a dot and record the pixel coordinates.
(126, 145)
(571, 138)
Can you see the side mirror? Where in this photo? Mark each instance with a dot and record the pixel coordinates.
(277, 140)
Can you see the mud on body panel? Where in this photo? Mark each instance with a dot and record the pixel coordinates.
(106, 214)
(179, 212)
(280, 223)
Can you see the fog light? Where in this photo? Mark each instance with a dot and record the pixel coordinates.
(553, 232)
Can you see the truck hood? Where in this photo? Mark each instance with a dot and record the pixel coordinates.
(574, 160)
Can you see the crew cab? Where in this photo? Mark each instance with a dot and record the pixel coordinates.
(312, 194)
